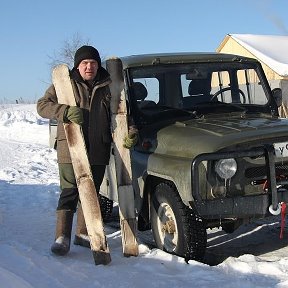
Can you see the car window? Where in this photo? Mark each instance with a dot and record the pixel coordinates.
(152, 88)
(191, 86)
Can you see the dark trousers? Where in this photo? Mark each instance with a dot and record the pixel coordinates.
(69, 196)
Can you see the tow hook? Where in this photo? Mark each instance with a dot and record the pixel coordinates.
(275, 211)
(275, 208)
(281, 208)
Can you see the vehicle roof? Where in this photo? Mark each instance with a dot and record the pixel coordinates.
(180, 58)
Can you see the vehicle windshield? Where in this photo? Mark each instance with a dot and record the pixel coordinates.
(190, 87)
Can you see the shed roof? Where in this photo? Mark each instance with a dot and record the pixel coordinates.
(270, 49)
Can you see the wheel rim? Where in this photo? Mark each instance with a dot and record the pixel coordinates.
(167, 228)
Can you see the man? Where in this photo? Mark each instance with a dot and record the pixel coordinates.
(91, 87)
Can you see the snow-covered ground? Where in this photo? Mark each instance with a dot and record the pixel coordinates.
(253, 256)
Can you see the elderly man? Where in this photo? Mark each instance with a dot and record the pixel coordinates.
(91, 88)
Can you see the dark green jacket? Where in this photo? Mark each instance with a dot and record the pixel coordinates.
(95, 102)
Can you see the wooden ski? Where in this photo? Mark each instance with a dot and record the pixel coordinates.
(122, 159)
(82, 170)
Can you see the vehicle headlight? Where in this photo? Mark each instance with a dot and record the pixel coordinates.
(226, 168)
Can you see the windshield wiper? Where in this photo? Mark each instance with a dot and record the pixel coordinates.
(183, 111)
(223, 104)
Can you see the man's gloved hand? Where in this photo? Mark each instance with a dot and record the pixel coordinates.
(74, 114)
(131, 139)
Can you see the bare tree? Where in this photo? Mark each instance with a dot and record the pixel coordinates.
(67, 51)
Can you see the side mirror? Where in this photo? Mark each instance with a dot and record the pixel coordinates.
(277, 95)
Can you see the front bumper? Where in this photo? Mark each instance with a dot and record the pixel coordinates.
(239, 206)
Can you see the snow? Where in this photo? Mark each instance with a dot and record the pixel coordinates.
(270, 49)
(252, 256)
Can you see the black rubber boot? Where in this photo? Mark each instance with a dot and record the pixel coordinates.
(61, 246)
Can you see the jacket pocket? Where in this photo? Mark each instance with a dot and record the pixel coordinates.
(60, 132)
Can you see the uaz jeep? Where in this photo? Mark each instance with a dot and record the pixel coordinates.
(211, 148)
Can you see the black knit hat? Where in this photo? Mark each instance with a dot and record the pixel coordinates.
(86, 52)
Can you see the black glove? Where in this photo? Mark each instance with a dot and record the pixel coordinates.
(74, 114)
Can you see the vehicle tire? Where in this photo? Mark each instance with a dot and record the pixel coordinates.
(176, 228)
(106, 206)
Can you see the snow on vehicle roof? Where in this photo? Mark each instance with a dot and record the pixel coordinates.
(270, 49)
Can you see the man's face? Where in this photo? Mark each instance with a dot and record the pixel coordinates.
(88, 69)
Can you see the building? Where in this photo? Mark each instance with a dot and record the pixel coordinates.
(271, 51)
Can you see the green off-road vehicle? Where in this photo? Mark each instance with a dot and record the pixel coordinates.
(211, 148)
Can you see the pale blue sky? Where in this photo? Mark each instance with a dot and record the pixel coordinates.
(31, 30)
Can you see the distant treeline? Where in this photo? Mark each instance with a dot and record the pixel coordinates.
(17, 101)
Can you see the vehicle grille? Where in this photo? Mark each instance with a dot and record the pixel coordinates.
(261, 171)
